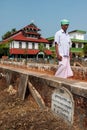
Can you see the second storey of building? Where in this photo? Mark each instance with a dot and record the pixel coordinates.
(27, 38)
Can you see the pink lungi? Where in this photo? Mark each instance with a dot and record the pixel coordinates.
(64, 68)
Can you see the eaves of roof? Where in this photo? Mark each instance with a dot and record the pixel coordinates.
(76, 49)
(20, 37)
(50, 38)
(79, 31)
(23, 51)
(73, 40)
(48, 52)
(28, 51)
(79, 41)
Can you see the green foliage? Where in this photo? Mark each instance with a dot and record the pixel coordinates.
(41, 47)
(7, 34)
(85, 49)
(52, 48)
(4, 51)
(53, 52)
(4, 45)
(4, 48)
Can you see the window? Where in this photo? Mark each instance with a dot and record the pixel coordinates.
(79, 45)
(20, 45)
(33, 45)
(26, 45)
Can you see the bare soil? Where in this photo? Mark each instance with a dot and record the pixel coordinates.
(16, 114)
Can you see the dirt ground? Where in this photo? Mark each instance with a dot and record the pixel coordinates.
(16, 114)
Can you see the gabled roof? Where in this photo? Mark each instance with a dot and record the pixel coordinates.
(79, 31)
(19, 35)
(72, 39)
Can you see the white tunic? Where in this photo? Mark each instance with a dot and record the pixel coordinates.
(63, 41)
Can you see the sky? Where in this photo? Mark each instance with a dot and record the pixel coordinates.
(45, 14)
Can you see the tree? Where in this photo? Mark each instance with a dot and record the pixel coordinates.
(6, 35)
(53, 52)
(13, 30)
(41, 47)
(4, 48)
(9, 33)
(85, 49)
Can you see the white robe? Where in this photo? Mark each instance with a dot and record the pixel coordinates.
(64, 68)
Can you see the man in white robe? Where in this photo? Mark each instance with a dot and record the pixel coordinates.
(62, 47)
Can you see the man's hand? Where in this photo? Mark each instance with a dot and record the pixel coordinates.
(59, 58)
(70, 54)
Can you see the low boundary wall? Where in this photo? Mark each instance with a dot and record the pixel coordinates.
(46, 85)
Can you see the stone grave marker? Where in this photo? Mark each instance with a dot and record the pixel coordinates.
(63, 104)
(22, 86)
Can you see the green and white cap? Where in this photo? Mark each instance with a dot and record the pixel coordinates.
(64, 22)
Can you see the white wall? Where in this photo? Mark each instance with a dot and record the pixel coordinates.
(36, 46)
(30, 45)
(14, 44)
(77, 35)
(47, 46)
(80, 36)
(23, 44)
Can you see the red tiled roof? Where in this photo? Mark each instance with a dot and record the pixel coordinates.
(20, 37)
(29, 51)
(48, 52)
(23, 51)
(35, 33)
(32, 25)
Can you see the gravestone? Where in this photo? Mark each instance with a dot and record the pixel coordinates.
(63, 104)
(22, 86)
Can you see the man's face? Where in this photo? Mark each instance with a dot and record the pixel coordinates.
(64, 27)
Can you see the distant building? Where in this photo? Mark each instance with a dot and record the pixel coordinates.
(78, 42)
(25, 43)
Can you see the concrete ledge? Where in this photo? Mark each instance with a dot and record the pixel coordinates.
(74, 86)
